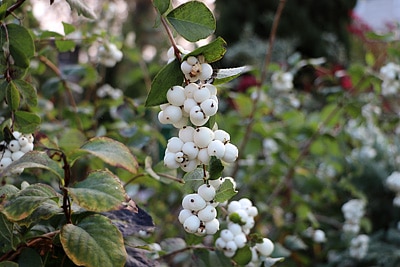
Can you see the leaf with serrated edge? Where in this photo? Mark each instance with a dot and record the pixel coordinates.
(225, 192)
(112, 152)
(94, 242)
(101, 191)
(192, 26)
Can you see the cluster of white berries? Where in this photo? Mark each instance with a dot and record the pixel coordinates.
(195, 146)
(198, 215)
(390, 74)
(353, 211)
(393, 183)
(194, 102)
(359, 246)
(15, 149)
(109, 54)
(282, 81)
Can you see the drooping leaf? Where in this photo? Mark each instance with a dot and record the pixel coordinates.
(82, 8)
(192, 26)
(226, 75)
(242, 256)
(226, 191)
(12, 96)
(21, 46)
(27, 91)
(167, 77)
(215, 168)
(112, 152)
(36, 159)
(93, 242)
(212, 52)
(26, 122)
(22, 204)
(161, 5)
(101, 191)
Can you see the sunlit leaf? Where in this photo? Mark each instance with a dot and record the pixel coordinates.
(65, 45)
(68, 28)
(93, 242)
(226, 75)
(192, 26)
(100, 191)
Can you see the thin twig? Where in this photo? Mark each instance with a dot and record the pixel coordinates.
(11, 9)
(263, 76)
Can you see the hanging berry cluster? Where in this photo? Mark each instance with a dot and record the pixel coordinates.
(14, 149)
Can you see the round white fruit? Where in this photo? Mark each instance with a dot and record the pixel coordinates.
(191, 224)
(206, 191)
(207, 214)
(186, 134)
(203, 136)
(193, 202)
(266, 247)
(212, 226)
(184, 214)
(176, 95)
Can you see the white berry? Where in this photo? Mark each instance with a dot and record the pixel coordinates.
(240, 240)
(206, 71)
(4, 162)
(172, 113)
(186, 134)
(170, 161)
(207, 214)
(226, 235)
(266, 247)
(201, 94)
(234, 206)
(203, 136)
(209, 107)
(206, 191)
(17, 155)
(231, 153)
(189, 165)
(222, 136)
(176, 95)
(193, 202)
(191, 224)
(174, 144)
(190, 89)
(212, 226)
(216, 148)
(203, 156)
(14, 146)
(184, 214)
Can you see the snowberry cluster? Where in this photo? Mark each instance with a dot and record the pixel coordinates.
(390, 74)
(15, 149)
(359, 246)
(195, 146)
(353, 211)
(393, 183)
(198, 215)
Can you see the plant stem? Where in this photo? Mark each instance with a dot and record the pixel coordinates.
(263, 77)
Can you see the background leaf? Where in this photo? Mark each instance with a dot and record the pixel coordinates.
(93, 242)
(192, 26)
(112, 152)
(100, 191)
(161, 5)
(81, 8)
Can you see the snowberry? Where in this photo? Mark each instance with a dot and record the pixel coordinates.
(17, 155)
(234, 206)
(201, 94)
(180, 157)
(184, 214)
(243, 215)
(252, 211)
(170, 161)
(212, 226)
(203, 136)
(222, 136)
(191, 224)
(162, 118)
(14, 146)
(206, 191)
(229, 253)
(182, 122)
(220, 243)
(193, 202)
(172, 113)
(201, 231)
(209, 107)
(203, 156)
(190, 89)
(186, 134)
(207, 214)
(199, 118)
(215, 183)
(190, 150)
(249, 223)
(192, 60)
(245, 203)
(231, 246)
(16, 134)
(226, 235)
(189, 104)
(216, 148)
(189, 165)
(174, 144)
(6, 153)
(211, 88)
(231, 153)
(265, 248)
(240, 240)
(4, 162)
(176, 95)
(206, 71)
(186, 67)
(23, 141)
(235, 228)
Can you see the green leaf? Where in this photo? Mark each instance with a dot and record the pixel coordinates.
(20, 44)
(81, 8)
(22, 204)
(26, 122)
(7, 235)
(68, 28)
(35, 159)
(101, 191)
(215, 168)
(30, 257)
(65, 45)
(212, 52)
(28, 92)
(3, 90)
(45, 211)
(112, 152)
(94, 242)
(193, 180)
(71, 139)
(242, 256)
(167, 77)
(192, 20)
(8, 264)
(226, 75)
(226, 191)
(12, 96)
(161, 5)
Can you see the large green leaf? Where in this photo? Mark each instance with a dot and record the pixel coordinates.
(12, 96)
(35, 159)
(212, 51)
(21, 205)
(45, 211)
(100, 191)
(112, 152)
(26, 122)
(243, 256)
(8, 239)
(21, 46)
(170, 75)
(161, 5)
(94, 242)
(193, 180)
(28, 92)
(192, 20)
